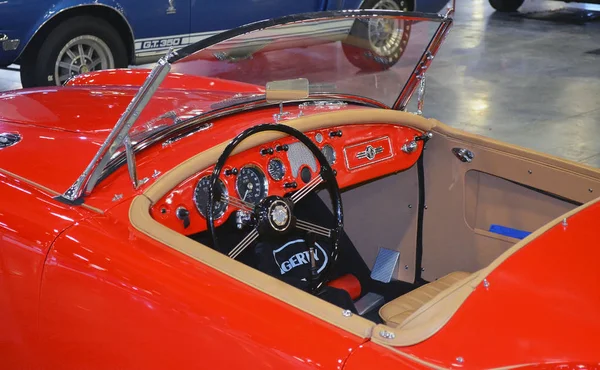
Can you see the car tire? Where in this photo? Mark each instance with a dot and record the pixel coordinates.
(364, 52)
(506, 5)
(59, 57)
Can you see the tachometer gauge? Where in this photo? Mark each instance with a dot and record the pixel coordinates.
(276, 169)
(201, 197)
(329, 153)
(251, 184)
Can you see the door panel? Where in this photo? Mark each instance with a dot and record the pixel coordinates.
(29, 221)
(208, 17)
(503, 185)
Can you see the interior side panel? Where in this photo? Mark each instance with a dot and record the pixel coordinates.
(505, 187)
(383, 214)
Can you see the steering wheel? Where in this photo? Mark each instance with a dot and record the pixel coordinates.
(273, 217)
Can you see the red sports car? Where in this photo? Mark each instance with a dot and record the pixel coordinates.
(263, 203)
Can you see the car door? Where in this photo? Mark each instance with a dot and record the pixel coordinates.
(157, 26)
(210, 17)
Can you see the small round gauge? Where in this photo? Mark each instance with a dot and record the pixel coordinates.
(329, 153)
(201, 197)
(251, 184)
(276, 169)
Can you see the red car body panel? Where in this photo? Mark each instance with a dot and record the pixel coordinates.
(30, 221)
(82, 289)
(108, 291)
(554, 279)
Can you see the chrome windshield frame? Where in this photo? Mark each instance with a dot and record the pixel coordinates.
(110, 155)
(257, 26)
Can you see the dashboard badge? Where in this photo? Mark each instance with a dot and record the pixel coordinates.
(369, 152)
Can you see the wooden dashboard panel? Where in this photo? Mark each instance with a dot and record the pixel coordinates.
(362, 153)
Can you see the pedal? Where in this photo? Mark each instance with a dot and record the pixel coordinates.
(385, 264)
(368, 303)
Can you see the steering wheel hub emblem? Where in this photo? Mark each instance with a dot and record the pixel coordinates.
(279, 215)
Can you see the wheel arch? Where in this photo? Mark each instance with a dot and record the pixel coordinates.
(107, 12)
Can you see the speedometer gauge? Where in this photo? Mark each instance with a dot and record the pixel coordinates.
(251, 184)
(201, 197)
(276, 169)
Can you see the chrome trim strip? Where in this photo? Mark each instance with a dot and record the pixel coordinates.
(78, 6)
(210, 41)
(88, 179)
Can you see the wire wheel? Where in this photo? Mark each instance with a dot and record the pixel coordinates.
(385, 34)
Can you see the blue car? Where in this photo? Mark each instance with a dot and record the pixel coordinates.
(54, 40)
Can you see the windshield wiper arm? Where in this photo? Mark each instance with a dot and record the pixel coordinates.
(88, 179)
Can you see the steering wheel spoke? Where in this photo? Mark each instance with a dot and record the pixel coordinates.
(313, 228)
(304, 191)
(243, 244)
(238, 203)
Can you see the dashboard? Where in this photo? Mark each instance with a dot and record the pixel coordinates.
(358, 153)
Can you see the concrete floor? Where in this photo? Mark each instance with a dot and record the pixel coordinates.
(534, 83)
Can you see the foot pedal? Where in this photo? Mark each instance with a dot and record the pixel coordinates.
(385, 264)
(368, 303)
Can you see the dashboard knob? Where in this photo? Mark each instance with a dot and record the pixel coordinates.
(184, 215)
(337, 133)
(266, 151)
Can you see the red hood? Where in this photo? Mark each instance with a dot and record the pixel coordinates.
(62, 128)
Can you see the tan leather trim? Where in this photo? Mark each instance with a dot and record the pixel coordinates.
(432, 316)
(139, 213)
(322, 120)
(45, 189)
(488, 143)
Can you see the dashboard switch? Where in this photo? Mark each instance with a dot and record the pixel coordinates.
(282, 148)
(290, 185)
(266, 151)
(184, 215)
(337, 133)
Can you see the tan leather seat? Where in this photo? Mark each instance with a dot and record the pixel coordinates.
(395, 312)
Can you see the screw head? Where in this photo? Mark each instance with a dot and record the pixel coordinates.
(347, 313)
(387, 334)
(410, 206)
(460, 360)
(529, 172)
(406, 267)
(590, 190)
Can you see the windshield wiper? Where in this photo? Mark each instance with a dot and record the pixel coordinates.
(88, 179)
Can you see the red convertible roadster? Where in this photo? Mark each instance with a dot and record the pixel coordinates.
(257, 201)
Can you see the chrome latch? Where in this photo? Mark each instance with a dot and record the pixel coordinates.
(465, 155)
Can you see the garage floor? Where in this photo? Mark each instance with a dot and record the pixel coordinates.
(531, 79)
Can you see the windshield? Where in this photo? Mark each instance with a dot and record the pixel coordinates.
(374, 57)
(368, 56)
